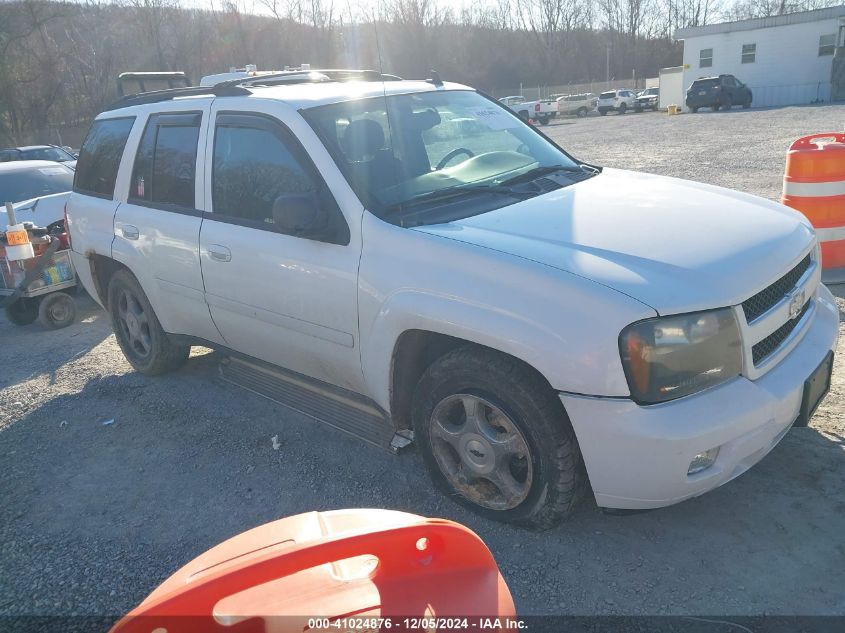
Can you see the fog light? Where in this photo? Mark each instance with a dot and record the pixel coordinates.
(702, 461)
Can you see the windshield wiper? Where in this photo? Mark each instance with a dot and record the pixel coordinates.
(456, 192)
(535, 173)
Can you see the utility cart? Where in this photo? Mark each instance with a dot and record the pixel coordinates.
(36, 273)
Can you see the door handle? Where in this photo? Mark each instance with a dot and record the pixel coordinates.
(220, 253)
(129, 232)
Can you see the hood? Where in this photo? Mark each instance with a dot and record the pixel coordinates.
(675, 245)
(40, 211)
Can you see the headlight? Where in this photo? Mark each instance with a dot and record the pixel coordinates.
(670, 357)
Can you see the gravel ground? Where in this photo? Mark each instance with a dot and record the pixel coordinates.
(95, 515)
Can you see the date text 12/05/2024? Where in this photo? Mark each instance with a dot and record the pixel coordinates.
(414, 624)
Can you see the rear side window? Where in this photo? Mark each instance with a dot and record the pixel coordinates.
(607, 95)
(255, 163)
(99, 158)
(165, 165)
(705, 84)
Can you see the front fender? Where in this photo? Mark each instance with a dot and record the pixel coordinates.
(564, 326)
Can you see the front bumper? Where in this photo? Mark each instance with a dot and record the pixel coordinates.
(637, 457)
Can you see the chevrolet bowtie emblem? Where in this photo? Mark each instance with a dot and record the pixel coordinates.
(796, 303)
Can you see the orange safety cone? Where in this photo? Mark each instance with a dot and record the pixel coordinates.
(358, 570)
(814, 184)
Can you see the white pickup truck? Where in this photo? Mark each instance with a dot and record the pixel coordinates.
(539, 326)
(541, 110)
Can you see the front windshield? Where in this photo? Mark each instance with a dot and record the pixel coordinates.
(22, 184)
(398, 148)
(55, 154)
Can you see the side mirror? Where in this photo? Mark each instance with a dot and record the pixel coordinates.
(300, 214)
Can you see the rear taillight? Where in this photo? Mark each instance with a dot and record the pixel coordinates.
(536, 107)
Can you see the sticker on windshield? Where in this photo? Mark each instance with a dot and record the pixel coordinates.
(495, 118)
(52, 171)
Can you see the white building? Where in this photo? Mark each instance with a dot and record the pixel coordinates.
(785, 60)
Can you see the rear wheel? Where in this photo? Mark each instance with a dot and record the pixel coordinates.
(57, 310)
(582, 112)
(144, 343)
(727, 103)
(544, 120)
(623, 108)
(22, 311)
(496, 438)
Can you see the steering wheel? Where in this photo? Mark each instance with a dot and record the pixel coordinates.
(455, 152)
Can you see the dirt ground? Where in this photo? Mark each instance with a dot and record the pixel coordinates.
(111, 480)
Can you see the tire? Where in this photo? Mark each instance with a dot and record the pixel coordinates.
(57, 310)
(523, 114)
(716, 107)
(727, 103)
(22, 311)
(544, 476)
(138, 332)
(582, 112)
(544, 120)
(603, 112)
(694, 110)
(623, 108)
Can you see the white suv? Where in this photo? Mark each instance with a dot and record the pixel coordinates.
(617, 101)
(536, 324)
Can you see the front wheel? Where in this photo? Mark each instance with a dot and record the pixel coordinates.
(144, 343)
(496, 439)
(22, 311)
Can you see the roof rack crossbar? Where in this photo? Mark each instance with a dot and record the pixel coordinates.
(236, 87)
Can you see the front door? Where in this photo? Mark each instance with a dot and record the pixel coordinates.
(285, 299)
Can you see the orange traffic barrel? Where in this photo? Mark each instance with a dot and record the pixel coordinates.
(344, 570)
(814, 184)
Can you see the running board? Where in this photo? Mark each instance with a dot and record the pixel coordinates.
(340, 409)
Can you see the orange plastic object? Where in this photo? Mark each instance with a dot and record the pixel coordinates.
(319, 570)
(814, 183)
(16, 238)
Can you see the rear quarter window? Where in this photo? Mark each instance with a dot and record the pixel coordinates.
(705, 83)
(99, 158)
(607, 95)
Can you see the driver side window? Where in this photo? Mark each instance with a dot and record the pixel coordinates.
(252, 166)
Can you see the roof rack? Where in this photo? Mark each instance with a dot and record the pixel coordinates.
(238, 87)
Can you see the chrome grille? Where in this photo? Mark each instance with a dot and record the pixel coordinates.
(766, 299)
(762, 350)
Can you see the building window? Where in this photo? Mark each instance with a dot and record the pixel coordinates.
(827, 44)
(749, 53)
(705, 58)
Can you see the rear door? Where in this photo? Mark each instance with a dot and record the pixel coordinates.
(288, 300)
(91, 206)
(157, 224)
